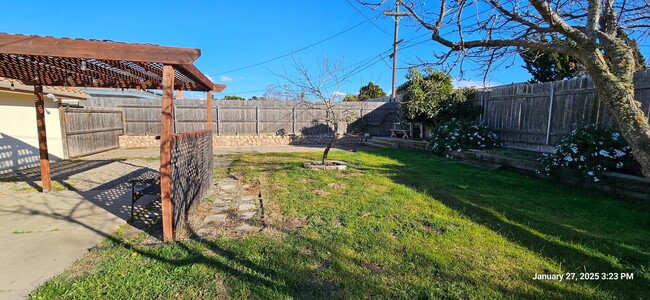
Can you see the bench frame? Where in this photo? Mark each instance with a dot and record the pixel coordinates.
(142, 187)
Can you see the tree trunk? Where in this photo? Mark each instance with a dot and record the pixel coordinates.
(614, 82)
(329, 146)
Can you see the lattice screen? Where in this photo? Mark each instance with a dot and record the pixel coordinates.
(191, 172)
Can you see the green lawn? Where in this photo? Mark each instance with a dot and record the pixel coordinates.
(397, 224)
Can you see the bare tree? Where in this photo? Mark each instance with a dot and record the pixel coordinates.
(602, 35)
(324, 86)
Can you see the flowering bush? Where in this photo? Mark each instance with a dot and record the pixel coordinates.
(592, 150)
(460, 135)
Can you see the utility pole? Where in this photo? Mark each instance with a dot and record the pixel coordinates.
(396, 14)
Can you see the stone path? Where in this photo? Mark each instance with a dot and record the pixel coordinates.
(233, 209)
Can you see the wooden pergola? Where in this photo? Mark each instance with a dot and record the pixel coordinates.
(40, 61)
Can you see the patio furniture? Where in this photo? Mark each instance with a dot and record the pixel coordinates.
(399, 128)
(141, 187)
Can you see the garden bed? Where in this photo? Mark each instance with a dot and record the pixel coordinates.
(622, 185)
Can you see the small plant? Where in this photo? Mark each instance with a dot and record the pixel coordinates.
(460, 135)
(591, 150)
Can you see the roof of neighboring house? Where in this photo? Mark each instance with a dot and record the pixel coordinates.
(61, 91)
(126, 93)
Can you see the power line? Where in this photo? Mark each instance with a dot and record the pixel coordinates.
(364, 15)
(292, 52)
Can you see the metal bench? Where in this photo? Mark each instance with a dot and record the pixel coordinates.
(142, 187)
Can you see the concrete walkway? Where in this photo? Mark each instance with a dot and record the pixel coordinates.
(43, 234)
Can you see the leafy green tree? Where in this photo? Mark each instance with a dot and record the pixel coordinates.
(233, 97)
(431, 98)
(351, 98)
(370, 91)
(551, 66)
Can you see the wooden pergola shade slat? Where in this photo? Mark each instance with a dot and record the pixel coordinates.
(76, 48)
(39, 61)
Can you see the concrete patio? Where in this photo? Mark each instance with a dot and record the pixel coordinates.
(43, 234)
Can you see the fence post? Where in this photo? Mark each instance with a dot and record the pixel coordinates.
(550, 115)
(218, 121)
(361, 117)
(293, 120)
(257, 120)
(174, 116)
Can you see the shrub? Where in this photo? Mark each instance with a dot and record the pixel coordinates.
(431, 98)
(592, 150)
(460, 135)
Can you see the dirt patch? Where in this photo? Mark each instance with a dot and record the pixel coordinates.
(321, 192)
(335, 185)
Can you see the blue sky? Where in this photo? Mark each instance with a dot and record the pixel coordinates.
(236, 34)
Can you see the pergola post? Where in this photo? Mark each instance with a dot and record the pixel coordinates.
(42, 139)
(208, 104)
(165, 151)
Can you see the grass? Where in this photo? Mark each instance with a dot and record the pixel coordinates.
(396, 225)
(25, 187)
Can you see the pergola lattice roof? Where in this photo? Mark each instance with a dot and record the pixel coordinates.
(37, 60)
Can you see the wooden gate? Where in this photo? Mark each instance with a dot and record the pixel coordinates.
(88, 131)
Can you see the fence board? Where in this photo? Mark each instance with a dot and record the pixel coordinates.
(235, 117)
(90, 131)
(519, 113)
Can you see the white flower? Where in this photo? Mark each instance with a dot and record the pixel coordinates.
(619, 165)
(568, 158)
(615, 136)
(619, 153)
(596, 179)
(590, 173)
(604, 153)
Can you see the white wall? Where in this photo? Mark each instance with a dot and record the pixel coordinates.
(18, 135)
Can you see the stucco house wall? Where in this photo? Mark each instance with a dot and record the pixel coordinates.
(18, 133)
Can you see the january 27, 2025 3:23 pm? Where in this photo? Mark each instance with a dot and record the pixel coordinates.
(584, 276)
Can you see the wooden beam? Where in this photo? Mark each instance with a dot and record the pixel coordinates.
(165, 152)
(208, 104)
(42, 139)
(65, 47)
(193, 73)
(219, 88)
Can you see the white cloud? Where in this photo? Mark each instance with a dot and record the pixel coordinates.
(471, 83)
(224, 78)
(339, 94)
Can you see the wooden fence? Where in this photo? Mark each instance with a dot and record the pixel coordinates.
(235, 117)
(87, 131)
(536, 116)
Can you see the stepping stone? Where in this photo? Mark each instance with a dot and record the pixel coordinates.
(204, 231)
(247, 215)
(246, 227)
(248, 198)
(220, 209)
(220, 218)
(245, 207)
(228, 187)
